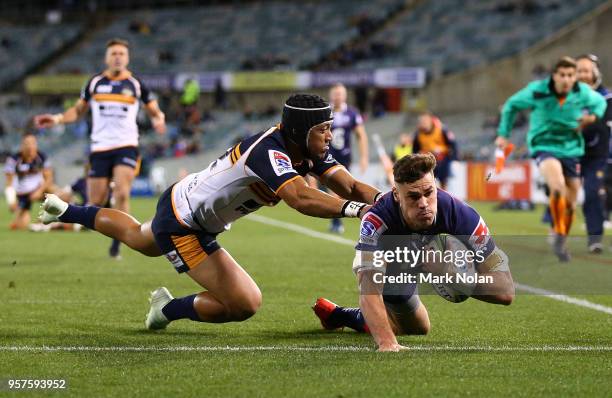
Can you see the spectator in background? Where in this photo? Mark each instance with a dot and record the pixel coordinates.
(220, 98)
(190, 117)
(404, 147)
(596, 152)
(432, 136)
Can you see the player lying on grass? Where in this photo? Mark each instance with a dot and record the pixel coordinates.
(28, 177)
(259, 171)
(416, 211)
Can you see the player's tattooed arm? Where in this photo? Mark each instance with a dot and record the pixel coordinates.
(346, 186)
(375, 313)
(501, 291)
(313, 202)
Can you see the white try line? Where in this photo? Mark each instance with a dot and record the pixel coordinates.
(333, 238)
(445, 348)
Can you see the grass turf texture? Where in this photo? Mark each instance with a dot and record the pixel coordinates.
(65, 291)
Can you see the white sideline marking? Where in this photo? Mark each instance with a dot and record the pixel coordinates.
(564, 298)
(333, 238)
(294, 348)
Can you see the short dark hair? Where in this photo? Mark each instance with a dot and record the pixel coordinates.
(117, 41)
(413, 167)
(564, 62)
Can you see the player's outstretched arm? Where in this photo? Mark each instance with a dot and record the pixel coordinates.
(71, 115)
(501, 291)
(375, 314)
(346, 186)
(158, 118)
(312, 202)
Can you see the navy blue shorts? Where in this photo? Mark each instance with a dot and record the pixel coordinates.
(185, 248)
(102, 163)
(443, 170)
(24, 202)
(571, 166)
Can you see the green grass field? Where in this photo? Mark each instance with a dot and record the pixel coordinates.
(69, 312)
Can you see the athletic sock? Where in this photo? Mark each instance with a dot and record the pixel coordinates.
(336, 223)
(349, 317)
(84, 215)
(557, 211)
(114, 249)
(181, 308)
(569, 218)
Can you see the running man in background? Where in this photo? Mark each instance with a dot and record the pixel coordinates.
(560, 108)
(347, 121)
(432, 136)
(596, 151)
(113, 96)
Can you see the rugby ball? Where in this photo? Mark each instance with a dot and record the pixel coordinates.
(460, 286)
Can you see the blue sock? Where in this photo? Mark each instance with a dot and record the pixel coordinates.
(114, 249)
(349, 317)
(84, 215)
(181, 308)
(336, 223)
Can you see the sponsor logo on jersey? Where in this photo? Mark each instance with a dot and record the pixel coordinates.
(104, 89)
(329, 158)
(480, 236)
(127, 92)
(370, 225)
(280, 162)
(174, 259)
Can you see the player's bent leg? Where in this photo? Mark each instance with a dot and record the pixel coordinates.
(231, 294)
(409, 317)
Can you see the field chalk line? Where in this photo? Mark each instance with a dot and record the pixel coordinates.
(337, 239)
(26, 348)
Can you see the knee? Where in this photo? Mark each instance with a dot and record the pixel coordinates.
(420, 329)
(246, 306)
(504, 299)
(121, 195)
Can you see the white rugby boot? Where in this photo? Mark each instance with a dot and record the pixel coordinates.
(155, 318)
(52, 208)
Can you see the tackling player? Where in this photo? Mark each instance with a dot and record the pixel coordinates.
(258, 171)
(28, 177)
(415, 206)
(113, 97)
(347, 121)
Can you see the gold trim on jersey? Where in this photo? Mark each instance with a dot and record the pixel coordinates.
(127, 99)
(235, 154)
(285, 183)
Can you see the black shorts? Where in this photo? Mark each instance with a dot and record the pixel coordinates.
(24, 202)
(571, 166)
(185, 248)
(102, 163)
